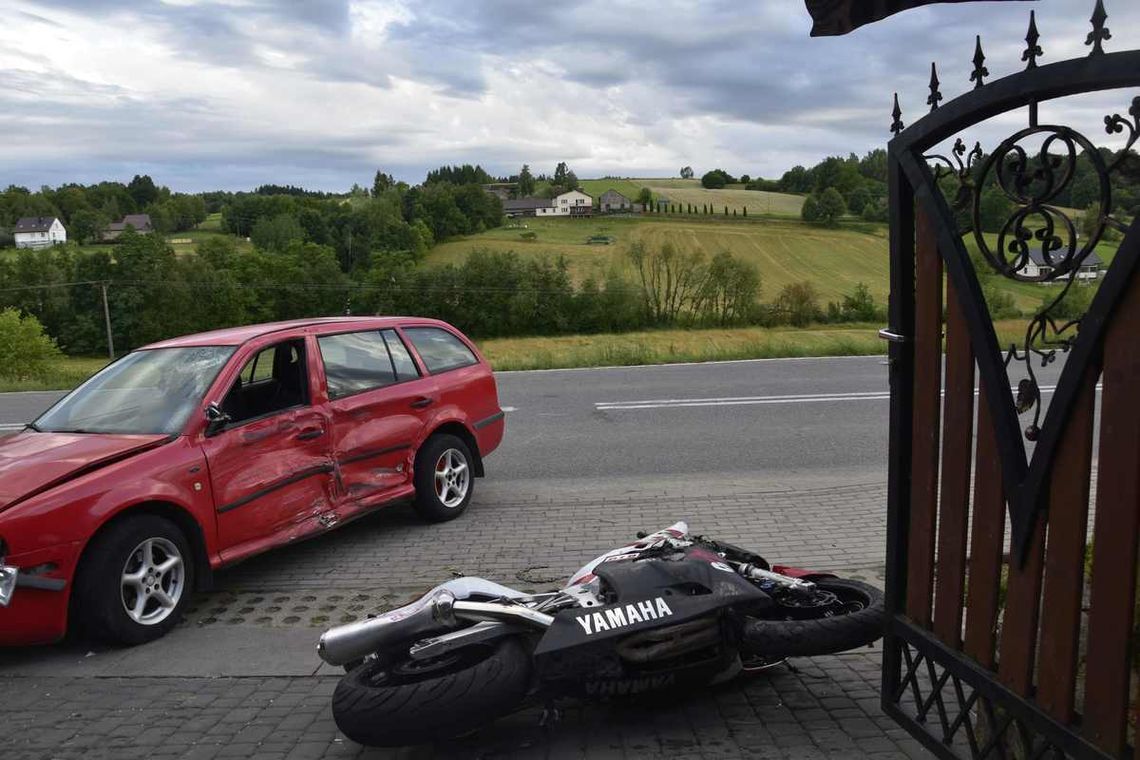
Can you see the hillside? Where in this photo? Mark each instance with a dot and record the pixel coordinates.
(784, 252)
(834, 260)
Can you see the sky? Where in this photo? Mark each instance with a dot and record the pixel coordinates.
(231, 94)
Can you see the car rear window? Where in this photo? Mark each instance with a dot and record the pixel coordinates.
(439, 349)
(355, 362)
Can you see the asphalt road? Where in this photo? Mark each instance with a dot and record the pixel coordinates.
(799, 418)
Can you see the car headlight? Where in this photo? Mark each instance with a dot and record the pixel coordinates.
(7, 582)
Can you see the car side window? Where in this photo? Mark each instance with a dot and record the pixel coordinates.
(439, 349)
(406, 368)
(274, 379)
(356, 362)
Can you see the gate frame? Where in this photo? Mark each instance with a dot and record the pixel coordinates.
(913, 191)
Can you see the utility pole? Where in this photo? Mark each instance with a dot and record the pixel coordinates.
(107, 321)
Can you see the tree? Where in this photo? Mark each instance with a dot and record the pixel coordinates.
(381, 183)
(26, 351)
(526, 182)
(670, 279)
(686, 172)
(716, 179)
(645, 197)
(86, 225)
(860, 306)
(745, 179)
(831, 206)
(799, 303)
(857, 199)
(994, 209)
(560, 173)
(729, 291)
(276, 233)
(809, 212)
(142, 190)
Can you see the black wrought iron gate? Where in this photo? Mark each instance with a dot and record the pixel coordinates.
(1004, 638)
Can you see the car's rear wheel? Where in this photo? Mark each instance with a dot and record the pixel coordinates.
(135, 581)
(444, 478)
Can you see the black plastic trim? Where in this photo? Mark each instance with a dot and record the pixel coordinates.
(489, 420)
(294, 478)
(373, 453)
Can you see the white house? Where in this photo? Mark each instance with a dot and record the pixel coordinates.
(39, 232)
(1037, 265)
(572, 203)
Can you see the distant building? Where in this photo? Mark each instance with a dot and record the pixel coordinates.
(1038, 266)
(612, 200)
(525, 206)
(39, 232)
(572, 203)
(140, 223)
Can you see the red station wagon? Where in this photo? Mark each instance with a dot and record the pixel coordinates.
(197, 452)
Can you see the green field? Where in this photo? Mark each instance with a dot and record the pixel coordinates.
(784, 252)
(757, 202)
(595, 187)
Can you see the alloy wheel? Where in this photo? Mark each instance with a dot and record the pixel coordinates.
(153, 581)
(452, 478)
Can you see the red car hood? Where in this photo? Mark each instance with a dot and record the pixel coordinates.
(31, 462)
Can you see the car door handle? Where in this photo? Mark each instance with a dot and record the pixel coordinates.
(308, 435)
(420, 403)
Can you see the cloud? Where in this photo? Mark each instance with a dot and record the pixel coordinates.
(232, 93)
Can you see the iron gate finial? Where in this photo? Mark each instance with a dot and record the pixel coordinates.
(897, 125)
(1100, 32)
(1032, 49)
(980, 71)
(935, 95)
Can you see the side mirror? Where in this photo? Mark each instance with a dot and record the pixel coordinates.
(216, 419)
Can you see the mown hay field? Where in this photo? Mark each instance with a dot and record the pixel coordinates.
(758, 202)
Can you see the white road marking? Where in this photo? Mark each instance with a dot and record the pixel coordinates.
(808, 398)
(509, 408)
(11, 426)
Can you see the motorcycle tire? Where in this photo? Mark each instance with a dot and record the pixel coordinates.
(776, 639)
(391, 704)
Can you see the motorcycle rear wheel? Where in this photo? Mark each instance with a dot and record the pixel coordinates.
(395, 702)
(861, 624)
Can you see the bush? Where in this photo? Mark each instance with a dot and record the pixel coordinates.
(798, 303)
(25, 350)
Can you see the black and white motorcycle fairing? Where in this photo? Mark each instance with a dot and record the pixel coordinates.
(671, 610)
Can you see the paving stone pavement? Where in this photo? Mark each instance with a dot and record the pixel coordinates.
(820, 708)
(825, 708)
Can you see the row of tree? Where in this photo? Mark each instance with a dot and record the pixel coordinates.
(153, 294)
(87, 209)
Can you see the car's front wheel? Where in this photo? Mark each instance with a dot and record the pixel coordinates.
(444, 478)
(135, 580)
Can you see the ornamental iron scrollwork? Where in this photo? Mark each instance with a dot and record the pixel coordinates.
(1032, 180)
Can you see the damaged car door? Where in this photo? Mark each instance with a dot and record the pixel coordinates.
(377, 398)
(269, 459)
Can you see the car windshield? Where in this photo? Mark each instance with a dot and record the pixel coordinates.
(146, 392)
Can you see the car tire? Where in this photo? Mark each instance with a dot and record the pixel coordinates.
(444, 478)
(134, 582)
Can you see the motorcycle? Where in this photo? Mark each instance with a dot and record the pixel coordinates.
(668, 611)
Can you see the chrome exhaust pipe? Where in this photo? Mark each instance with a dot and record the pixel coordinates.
(438, 610)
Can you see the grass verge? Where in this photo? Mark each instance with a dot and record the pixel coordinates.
(667, 346)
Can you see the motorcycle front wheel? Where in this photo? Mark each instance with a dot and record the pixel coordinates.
(851, 616)
(392, 702)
